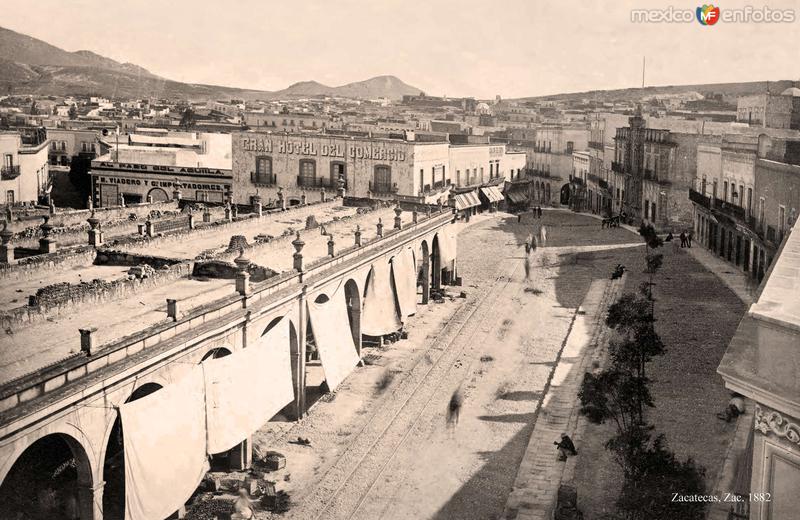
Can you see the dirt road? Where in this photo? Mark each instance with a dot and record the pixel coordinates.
(498, 350)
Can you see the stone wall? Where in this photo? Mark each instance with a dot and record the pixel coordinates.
(32, 266)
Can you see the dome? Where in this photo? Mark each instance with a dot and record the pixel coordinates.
(483, 108)
(791, 91)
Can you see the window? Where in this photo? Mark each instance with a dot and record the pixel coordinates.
(749, 201)
(761, 212)
(653, 212)
(714, 190)
(491, 169)
(10, 197)
(458, 177)
(646, 208)
(338, 169)
(570, 146)
(725, 191)
(8, 160)
(382, 179)
(308, 173)
(263, 174)
(781, 219)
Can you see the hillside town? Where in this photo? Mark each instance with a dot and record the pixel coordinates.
(323, 304)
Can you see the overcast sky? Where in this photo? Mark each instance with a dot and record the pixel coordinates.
(465, 47)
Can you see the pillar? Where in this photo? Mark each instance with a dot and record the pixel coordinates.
(6, 248)
(172, 309)
(281, 199)
(331, 246)
(303, 199)
(148, 228)
(95, 233)
(47, 244)
(300, 390)
(242, 274)
(240, 457)
(87, 340)
(90, 500)
(228, 213)
(358, 235)
(322, 195)
(192, 223)
(414, 216)
(258, 208)
(298, 253)
(398, 222)
(380, 228)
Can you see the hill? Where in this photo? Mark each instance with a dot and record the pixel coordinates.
(380, 86)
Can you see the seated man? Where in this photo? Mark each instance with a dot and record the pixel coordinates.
(242, 508)
(735, 408)
(565, 447)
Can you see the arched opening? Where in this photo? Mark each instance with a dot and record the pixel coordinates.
(114, 462)
(216, 353)
(565, 193)
(294, 202)
(158, 195)
(423, 272)
(353, 299)
(52, 478)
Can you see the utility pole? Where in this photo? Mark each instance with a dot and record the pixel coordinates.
(643, 67)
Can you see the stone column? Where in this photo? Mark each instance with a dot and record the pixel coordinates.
(228, 212)
(414, 216)
(172, 309)
(47, 244)
(303, 198)
(340, 186)
(298, 253)
(331, 246)
(258, 208)
(281, 199)
(6, 248)
(242, 275)
(398, 222)
(87, 341)
(358, 235)
(192, 223)
(322, 195)
(234, 211)
(95, 233)
(148, 228)
(176, 191)
(380, 228)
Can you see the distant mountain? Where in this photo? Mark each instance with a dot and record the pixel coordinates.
(380, 86)
(728, 91)
(32, 66)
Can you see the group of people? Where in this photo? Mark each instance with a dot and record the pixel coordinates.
(685, 236)
(536, 211)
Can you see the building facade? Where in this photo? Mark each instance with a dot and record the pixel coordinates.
(24, 171)
(769, 110)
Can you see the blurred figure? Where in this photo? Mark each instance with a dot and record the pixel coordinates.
(565, 447)
(454, 409)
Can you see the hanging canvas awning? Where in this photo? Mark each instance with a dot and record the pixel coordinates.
(492, 194)
(164, 442)
(517, 197)
(405, 282)
(447, 246)
(466, 200)
(246, 389)
(331, 328)
(379, 316)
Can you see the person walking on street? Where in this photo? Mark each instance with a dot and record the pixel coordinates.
(683, 239)
(689, 237)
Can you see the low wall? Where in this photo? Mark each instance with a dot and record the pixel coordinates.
(31, 267)
(61, 298)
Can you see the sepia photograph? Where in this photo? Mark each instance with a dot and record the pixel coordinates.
(399, 260)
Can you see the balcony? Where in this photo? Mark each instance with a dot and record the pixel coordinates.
(700, 199)
(263, 179)
(603, 184)
(596, 145)
(617, 167)
(314, 182)
(382, 187)
(729, 209)
(8, 173)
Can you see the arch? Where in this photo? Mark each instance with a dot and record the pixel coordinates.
(216, 353)
(546, 197)
(49, 478)
(114, 460)
(565, 194)
(354, 301)
(294, 202)
(158, 195)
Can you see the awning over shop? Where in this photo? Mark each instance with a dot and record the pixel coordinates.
(331, 328)
(517, 197)
(492, 194)
(379, 315)
(467, 200)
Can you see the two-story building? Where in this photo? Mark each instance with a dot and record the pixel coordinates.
(24, 171)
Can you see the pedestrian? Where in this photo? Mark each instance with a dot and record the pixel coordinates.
(528, 244)
(565, 447)
(519, 218)
(543, 236)
(689, 237)
(683, 239)
(669, 237)
(527, 267)
(454, 408)
(539, 209)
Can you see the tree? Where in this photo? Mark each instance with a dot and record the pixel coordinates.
(34, 110)
(73, 112)
(187, 118)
